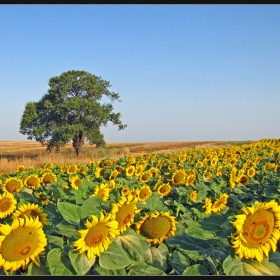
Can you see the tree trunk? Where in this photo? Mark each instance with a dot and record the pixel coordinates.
(78, 142)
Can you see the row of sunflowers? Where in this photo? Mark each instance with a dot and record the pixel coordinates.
(207, 211)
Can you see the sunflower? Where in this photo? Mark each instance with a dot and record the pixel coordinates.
(30, 210)
(190, 180)
(48, 177)
(20, 168)
(251, 172)
(138, 170)
(97, 172)
(193, 196)
(208, 206)
(32, 181)
(172, 166)
(232, 177)
(178, 177)
(244, 179)
(99, 234)
(144, 177)
(63, 168)
(48, 165)
(156, 227)
(114, 174)
(164, 189)
(124, 211)
(102, 191)
(74, 181)
(214, 161)
(12, 185)
(257, 230)
(220, 203)
(125, 191)
(153, 171)
(7, 204)
(199, 164)
(83, 169)
(129, 171)
(72, 168)
(21, 242)
(144, 193)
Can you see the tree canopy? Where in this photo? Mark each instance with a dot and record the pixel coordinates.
(71, 110)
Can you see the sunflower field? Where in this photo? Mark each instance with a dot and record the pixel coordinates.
(207, 211)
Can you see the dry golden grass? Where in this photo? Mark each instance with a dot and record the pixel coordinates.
(32, 154)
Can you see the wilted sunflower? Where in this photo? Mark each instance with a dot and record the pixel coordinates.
(74, 181)
(30, 210)
(178, 177)
(129, 171)
(102, 191)
(220, 203)
(144, 193)
(164, 189)
(156, 227)
(257, 230)
(48, 177)
(12, 185)
(124, 211)
(7, 204)
(99, 234)
(32, 181)
(21, 242)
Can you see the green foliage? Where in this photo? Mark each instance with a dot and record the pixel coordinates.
(71, 108)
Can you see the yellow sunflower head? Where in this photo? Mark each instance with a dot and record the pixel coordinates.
(20, 168)
(145, 176)
(48, 177)
(74, 182)
(208, 206)
(144, 193)
(244, 180)
(257, 230)
(30, 210)
(220, 203)
(32, 181)
(63, 168)
(178, 177)
(72, 168)
(124, 211)
(83, 169)
(156, 227)
(98, 235)
(129, 171)
(153, 171)
(7, 204)
(190, 180)
(103, 191)
(114, 174)
(12, 185)
(138, 170)
(48, 166)
(172, 166)
(193, 196)
(125, 191)
(21, 242)
(251, 172)
(164, 189)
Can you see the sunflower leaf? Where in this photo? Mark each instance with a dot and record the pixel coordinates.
(80, 262)
(133, 245)
(59, 265)
(144, 269)
(107, 272)
(33, 269)
(195, 248)
(115, 257)
(195, 230)
(157, 257)
(196, 269)
(154, 203)
(179, 262)
(55, 241)
(90, 206)
(69, 211)
(234, 266)
(274, 257)
(66, 229)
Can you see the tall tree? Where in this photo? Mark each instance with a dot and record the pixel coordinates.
(71, 110)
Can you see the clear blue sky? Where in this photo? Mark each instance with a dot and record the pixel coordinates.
(183, 72)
